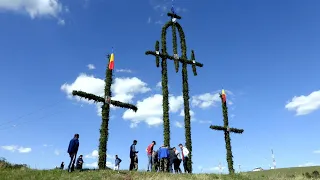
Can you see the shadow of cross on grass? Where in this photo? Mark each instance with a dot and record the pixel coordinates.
(227, 130)
(106, 101)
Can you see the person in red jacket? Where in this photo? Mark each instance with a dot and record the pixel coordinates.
(149, 153)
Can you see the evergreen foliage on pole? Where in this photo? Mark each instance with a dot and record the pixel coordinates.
(163, 54)
(227, 130)
(106, 101)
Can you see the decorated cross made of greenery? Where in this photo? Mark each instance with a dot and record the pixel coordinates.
(177, 59)
(106, 101)
(227, 131)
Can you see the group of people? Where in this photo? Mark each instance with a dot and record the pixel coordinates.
(165, 159)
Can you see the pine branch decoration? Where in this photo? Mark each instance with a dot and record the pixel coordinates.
(185, 62)
(227, 130)
(104, 129)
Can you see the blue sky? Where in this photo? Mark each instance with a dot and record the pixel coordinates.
(265, 53)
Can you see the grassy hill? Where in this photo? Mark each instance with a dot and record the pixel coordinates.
(22, 172)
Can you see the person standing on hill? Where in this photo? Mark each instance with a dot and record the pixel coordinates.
(117, 162)
(73, 150)
(62, 165)
(177, 161)
(149, 153)
(133, 154)
(79, 163)
(172, 157)
(155, 160)
(163, 156)
(185, 158)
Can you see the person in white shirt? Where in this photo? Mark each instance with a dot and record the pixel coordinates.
(177, 161)
(185, 158)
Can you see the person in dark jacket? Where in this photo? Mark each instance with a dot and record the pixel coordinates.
(73, 150)
(133, 154)
(79, 163)
(163, 156)
(155, 161)
(172, 158)
(62, 166)
(177, 161)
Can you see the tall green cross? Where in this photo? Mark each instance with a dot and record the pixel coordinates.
(185, 86)
(106, 101)
(227, 130)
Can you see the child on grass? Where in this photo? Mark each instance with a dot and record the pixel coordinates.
(117, 163)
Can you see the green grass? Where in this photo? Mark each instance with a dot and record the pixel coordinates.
(21, 172)
(28, 174)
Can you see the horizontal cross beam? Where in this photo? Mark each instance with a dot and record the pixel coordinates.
(221, 128)
(172, 15)
(182, 60)
(97, 99)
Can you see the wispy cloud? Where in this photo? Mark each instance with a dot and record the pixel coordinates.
(178, 124)
(95, 154)
(124, 70)
(149, 20)
(205, 122)
(57, 152)
(14, 148)
(47, 145)
(307, 164)
(159, 22)
(61, 22)
(91, 66)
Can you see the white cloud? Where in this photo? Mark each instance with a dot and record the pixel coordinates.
(47, 145)
(159, 84)
(150, 110)
(95, 154)
(149, 20)
(205, 122)
(316, 151)
(24, 150)
(124, 70)
(179, 124)
(14, 148)
(217, 168)
(95, 164)
(123, 89)
(205, 100)
(209, 99)
(57, 152)
(91, 165)
(34, 8)
(191, 113)
(86, 83)
(307, 164)
(92, 155)
(304, 105)
(91, 66)
(61, 22)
